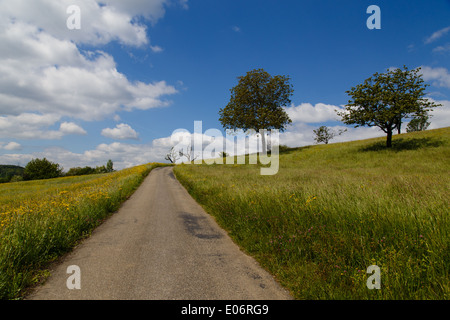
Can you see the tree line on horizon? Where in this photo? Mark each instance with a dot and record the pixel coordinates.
(39, 169)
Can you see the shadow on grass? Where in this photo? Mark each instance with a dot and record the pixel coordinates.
(402, 144)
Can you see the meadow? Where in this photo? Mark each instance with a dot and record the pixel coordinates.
(43, 219)
(333, 210)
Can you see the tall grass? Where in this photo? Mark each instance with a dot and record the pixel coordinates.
(334, 210)
(40, 220)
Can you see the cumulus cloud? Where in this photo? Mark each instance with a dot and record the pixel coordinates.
(100, 23)
(11, 146)
(49, 75)
(29, 126)
(440, 77)
(122, 131)
(440, 116)
(308, 113)
(45, 75)
(71, 128)
(35, 126)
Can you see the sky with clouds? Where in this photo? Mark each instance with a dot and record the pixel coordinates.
(137, 70)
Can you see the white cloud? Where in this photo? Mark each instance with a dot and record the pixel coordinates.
(156, 49)
(436, 35)
(440, 115)
(100, 24)
(440, 77)
(71, 128)
(12, 146)
(29, 126)
(35, 126)
(45, 75)
(308, 113)
(442, 49)
(122, 131)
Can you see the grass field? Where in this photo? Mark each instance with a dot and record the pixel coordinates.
(334, 210)
(41, 220)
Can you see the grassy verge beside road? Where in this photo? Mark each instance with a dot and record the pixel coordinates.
(41, 220)
(334, 210)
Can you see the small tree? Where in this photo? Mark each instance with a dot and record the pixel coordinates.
(38, 169)
(109, 166)
(189, 155)
(100, 169)
(325, 134)
(419, 123)
(257, 102)
(385, 99)
(172, 155)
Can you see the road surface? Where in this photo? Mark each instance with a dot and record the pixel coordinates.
(160, 245)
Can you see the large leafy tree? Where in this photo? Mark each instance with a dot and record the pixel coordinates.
(257, 102)
(385, 99)
(38, 169)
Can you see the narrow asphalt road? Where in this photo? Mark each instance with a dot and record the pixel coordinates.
(160, 245)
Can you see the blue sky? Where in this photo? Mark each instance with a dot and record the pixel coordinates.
(137, 70)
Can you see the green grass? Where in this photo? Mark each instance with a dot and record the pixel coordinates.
(333, 210)
(42, 220)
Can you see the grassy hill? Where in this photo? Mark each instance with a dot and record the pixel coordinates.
(333, 210)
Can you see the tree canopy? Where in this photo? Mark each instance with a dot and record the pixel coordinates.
(325, 134)
(38, 169)
(385, 99)
(257, 102)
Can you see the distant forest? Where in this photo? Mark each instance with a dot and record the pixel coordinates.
(8, 172)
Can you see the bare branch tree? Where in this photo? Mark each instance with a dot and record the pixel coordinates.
(189, 155)
(172, 156)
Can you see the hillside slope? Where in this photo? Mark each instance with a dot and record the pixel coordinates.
(333, 210)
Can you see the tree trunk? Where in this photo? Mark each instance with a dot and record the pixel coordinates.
(389, 139)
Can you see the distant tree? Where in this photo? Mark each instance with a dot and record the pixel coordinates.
(325, 134)
(384, 99)
(188, 154)
(101, 169)
(38, 169)
(78, 171)
(172, 155)
(257, 102)
(109, 166)
(16, 178)
(418, 123)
